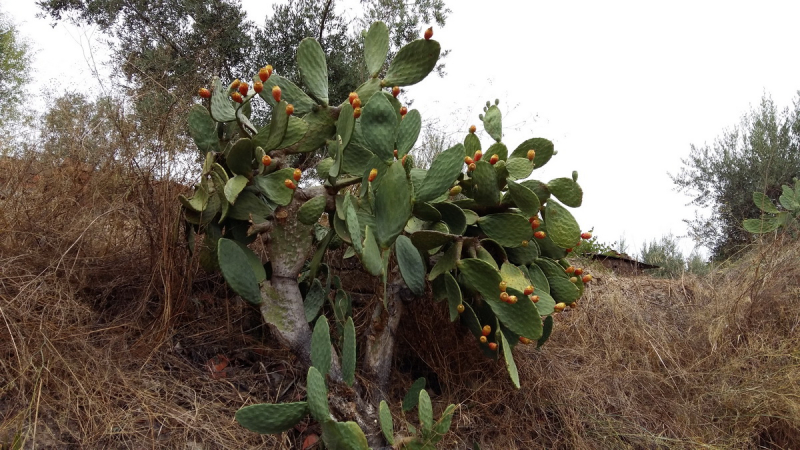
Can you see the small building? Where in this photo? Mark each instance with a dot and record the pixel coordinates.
(621, 263)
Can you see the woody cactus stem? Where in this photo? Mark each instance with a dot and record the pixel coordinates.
(381, 339)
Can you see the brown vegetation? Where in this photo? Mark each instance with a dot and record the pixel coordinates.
(107, 327)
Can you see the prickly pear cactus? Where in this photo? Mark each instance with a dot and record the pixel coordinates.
(474, 229)
(775, 218)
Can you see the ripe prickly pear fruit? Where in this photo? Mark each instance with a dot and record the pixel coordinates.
(297, 174)
(503, 286)
(276, 93)
(403, 111)
(573, 279)
(468, 160)
(524, 340)
(237, 97)
(492, 346)
(483, 339)
(586, 235)
(524, 243)
(395, 153)
(455, 190)
(586, 278)
(372, 174)
(574, 305)
(534, 298)
(356, 103)
(266, 160)
(428, 34)
(570, 269)
(403, 160)
(356, 113)
(559, 306)
(504, 297)
(493, 160)
(243, 88)
(263, 74)
(531, 154)
(535, 223)
(204, 93)
(396, 91)
(512, 299)
(528, 290)
(578, 272)
(289, 109)
(235, 84)
(460, 308)
(472, 129)
(258, 87)
(289, 184)
(352, 97)
(478, 155)
(568, 250)
(539, 235)
(487, 330)
(472, 167)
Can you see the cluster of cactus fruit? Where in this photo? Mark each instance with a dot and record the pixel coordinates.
(773, 217)
(475, 230)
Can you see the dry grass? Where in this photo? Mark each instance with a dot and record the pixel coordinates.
(106, 326)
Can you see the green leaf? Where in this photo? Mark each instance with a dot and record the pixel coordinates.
(446, 167)
(309, 212)
(767, 225)
(203, 129)
(408, 132)
(412, 397)
(566, 190)
(508, 229)
(425, 410)
(378, 125)
(266, 418)
(387, 425)
(303, 104)
(392, 204)
(343, 436)
(376, 47)
(317, 396)
(311, 62)
(412, 63)
(234, 186)
(788, 199)
(240, 157)
(236, 270)
(511, 366)
(412, 267)
(493, 123)
(562, 228)
(764, 203)
(542, 147)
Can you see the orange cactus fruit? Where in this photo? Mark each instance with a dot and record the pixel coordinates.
(235, 84)
(289, 109)
(263, 74)
(356, 113)
(352, 97)
(472, 129)
(276, 93)
(403, 160)
(586, 278)
(243, 88)
(578, 272)
(468, 160)
(535, 223)
(372, 174)
(478, 155)
(395, 153)
(258, 87)
(539, 235)
(428, 34)
(573, 305)
(493, 160)
(534, 298)
(568, 250)
(266, 160)
(528, 290)
(269, 69)
(570, 269)
(483, 339)
(487, 330)
(559, 306)
(586, 235)
(472, 168)
(204, 93)
(403, 111)
(492, 346)
(524, 340)
(503, 286)
(237, 97)
(531, 154)
(512, 299)
(504, 297)
(289, 184)
(356, 103)
(460, 308)
(297, 174)
(396, 91)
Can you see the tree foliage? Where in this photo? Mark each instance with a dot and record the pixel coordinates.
(15, 60)
(760, 154)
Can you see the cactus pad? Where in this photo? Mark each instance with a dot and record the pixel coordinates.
(311, 62)
(376, 47)
(321, 346)
(412, 63)
(268, 418)
(237, 271)
(412, 268)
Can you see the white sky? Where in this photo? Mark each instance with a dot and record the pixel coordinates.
(622, 88)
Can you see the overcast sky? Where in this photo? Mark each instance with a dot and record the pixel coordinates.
(622, 88)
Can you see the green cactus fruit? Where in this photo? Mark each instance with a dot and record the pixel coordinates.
(343, 436)
(522, 317)
(392, 204)
(575, 176)
(493, 123)
(429, 239)
(349, 352)
(237, 271)
(222, 109)
(303, 104)
(314, 300)
(313, 68)
(454, 298)
(266, 418)
(309, 212)
(543, 147)
(387, 425)
(408, 132)
(321, 346)
(511, 366)
(273, 186)
(525, 199)
(412, 267)
(240, 157)
(411, 399)
(507, 229)
(484, 183)
(425, 410)
(567, 191)
(453, 216)
(371, 257)
(561, 225)
(376, 47)
(202, 128)
(378, 126)
(547, 330)
(317, 395)
(519, 168)
(412, 63)
(446, 167)
(234, 187)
